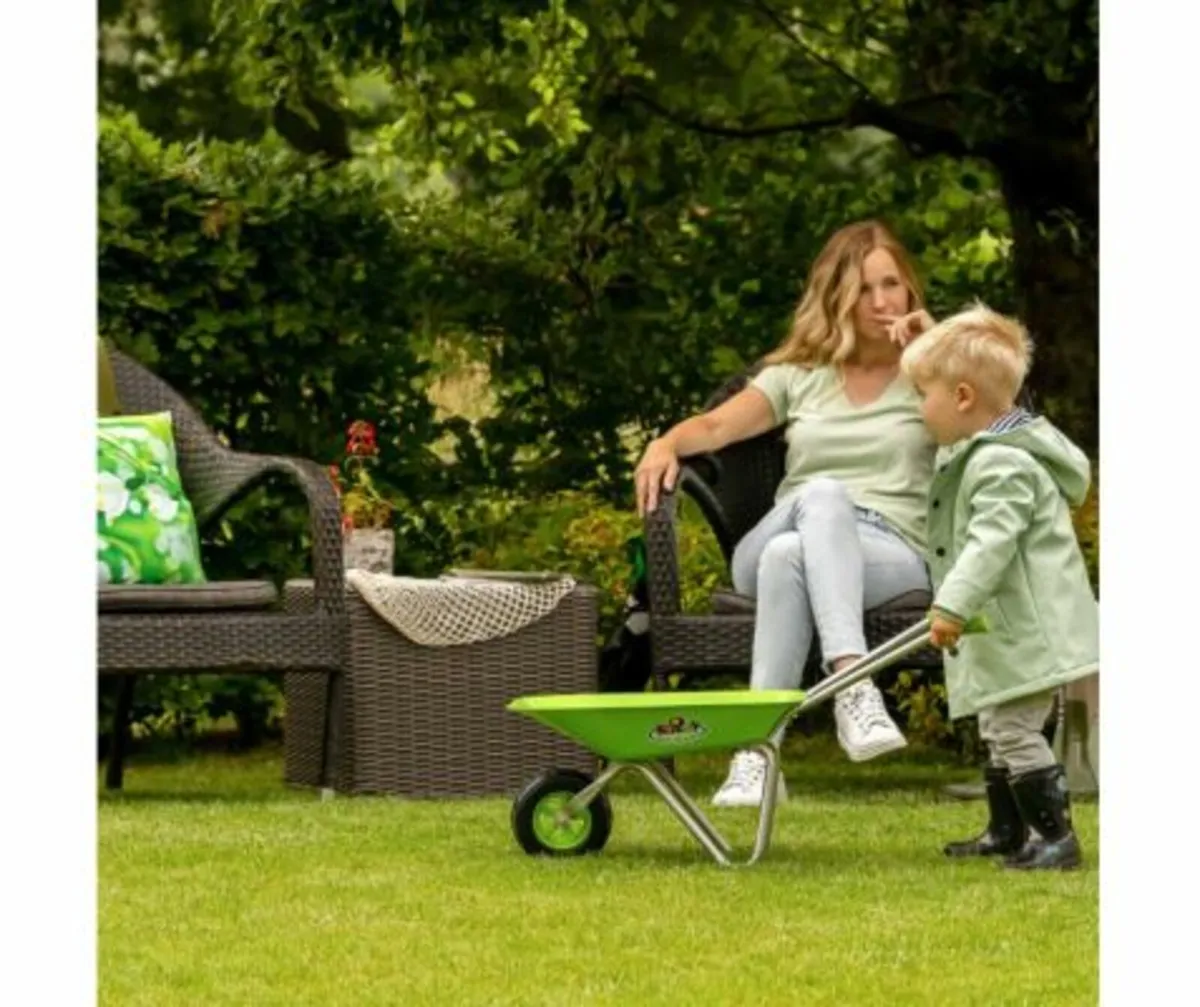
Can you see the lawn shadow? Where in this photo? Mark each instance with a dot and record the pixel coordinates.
(176, 795)
(808, 854)
(817, 767)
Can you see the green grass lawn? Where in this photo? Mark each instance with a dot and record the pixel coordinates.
(220, 885)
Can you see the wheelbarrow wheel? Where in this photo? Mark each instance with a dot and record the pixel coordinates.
(536, 816)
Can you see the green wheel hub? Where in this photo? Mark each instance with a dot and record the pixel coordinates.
(555, 833)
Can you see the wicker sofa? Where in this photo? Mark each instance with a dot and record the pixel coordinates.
(222, 627)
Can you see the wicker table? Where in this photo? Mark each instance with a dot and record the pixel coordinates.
(424, 721)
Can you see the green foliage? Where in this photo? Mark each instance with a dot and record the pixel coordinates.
(181, 708)
(277, 300)
(611, 262)
(585, 536)
(158, 59)
(922, 704)
(653, 176)
(1087, 528)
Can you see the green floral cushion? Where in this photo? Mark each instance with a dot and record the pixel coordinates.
(145, 526)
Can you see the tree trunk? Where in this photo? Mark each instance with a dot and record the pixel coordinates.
(1056, 267)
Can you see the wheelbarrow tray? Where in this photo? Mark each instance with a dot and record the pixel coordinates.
(642, 727)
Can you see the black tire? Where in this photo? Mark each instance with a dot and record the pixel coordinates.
(554, 784)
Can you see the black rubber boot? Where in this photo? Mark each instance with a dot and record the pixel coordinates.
(1045, 806)
(1005, 831)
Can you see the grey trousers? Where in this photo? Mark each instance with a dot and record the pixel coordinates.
(816, 562)
(1013, 733)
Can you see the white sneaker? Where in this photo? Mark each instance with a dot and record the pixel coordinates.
(743, 787)
(864, 728)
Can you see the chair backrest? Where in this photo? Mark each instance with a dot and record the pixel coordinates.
(742, 478)
(200, 454)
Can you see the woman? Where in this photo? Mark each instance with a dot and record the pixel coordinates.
(847, 532)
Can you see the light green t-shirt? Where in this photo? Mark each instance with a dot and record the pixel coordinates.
(881, 452)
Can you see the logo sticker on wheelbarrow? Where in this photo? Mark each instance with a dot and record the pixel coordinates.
(678, 731)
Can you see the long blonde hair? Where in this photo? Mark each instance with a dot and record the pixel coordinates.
(823, 327)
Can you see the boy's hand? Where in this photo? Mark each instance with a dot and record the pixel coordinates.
(944, 630)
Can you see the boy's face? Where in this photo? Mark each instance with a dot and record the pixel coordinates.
(945, 407)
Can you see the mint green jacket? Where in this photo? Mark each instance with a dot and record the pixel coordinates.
(1001, 543)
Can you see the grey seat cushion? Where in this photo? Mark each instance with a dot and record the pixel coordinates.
(217, 596)
(731, 603)
(726, 602)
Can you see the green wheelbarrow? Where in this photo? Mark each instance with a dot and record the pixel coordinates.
(565, 813)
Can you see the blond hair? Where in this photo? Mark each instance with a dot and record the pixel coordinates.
(979, 346)
(823, 326)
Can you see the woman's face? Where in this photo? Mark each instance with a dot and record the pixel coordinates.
(883, 297)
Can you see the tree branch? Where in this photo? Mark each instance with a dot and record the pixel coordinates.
(802, 22)
(736, 132)
(830, 64)
(921, 134)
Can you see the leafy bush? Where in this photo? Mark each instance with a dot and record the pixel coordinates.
(275, 298)
(921, 702)
(581, 534)
(1087, 528)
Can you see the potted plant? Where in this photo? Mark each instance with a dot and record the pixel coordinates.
(368, 541)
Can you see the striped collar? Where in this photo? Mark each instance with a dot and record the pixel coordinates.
(1015, 417)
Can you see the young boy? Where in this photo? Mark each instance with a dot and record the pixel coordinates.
(1001, 543)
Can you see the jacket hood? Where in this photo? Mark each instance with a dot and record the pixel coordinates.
(1066, 464)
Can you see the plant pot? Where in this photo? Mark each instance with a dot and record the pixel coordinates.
(371, 549)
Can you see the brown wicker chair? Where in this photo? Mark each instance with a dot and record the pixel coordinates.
(222, 627)
(734, 488)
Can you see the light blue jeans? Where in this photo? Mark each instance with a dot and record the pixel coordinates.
(815, 563)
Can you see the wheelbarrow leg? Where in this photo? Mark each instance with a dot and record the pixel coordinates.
(695, 821)
(664, 781)
(589, 793)
(684, 808)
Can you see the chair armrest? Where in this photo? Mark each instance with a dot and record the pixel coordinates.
(662, 545)
(240, 471)
(694, 483)
(662, 556)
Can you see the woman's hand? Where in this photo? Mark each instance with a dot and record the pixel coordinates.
(906, 328)
(944, 630)
(747, 414)
(657, 471)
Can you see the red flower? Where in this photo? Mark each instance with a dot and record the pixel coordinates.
(360, 438)
(362, 505)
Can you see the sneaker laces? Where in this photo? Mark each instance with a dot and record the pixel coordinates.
(747, 770)
(865, 706)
